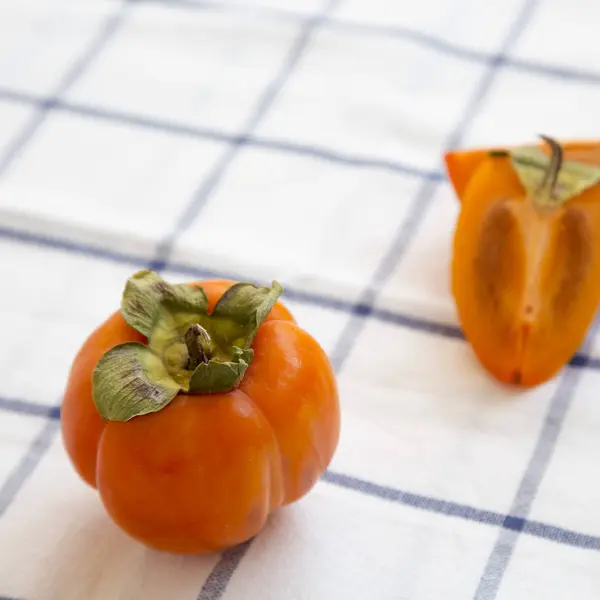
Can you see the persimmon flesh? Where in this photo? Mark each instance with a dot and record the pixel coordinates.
(526, 254)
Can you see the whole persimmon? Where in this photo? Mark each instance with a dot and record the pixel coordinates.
(197, 410)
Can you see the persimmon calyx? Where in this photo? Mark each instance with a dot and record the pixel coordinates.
(551, 181)
(144, 293)
(189, 349)
(131, 380)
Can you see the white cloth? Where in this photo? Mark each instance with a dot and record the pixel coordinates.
(297, 140)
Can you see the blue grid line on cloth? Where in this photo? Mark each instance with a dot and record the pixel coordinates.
(560, 535)
(579, 360)
(427, 503)
(495, 568)
(402, 238)
(529, 66)
(20, 406)
(453, 509)
(425, 195)
(202, 195)
(79, 67)
(32, 409)
(205, 133)
(390, 31)
(30, 460)
(215, 585)
(418, 501)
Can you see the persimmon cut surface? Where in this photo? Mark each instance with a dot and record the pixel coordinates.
(200, 467)
(526, 254)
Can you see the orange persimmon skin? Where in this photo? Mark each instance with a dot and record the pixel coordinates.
(526, 282)
(205, 472)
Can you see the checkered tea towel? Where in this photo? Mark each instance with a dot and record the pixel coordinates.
(297, 140)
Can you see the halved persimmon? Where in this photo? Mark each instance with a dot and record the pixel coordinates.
(526, 254)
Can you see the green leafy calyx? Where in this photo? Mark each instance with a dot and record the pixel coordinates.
(549, 180)
(188, 348)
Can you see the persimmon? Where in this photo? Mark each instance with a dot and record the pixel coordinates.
(198, 409)
(526, 254)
